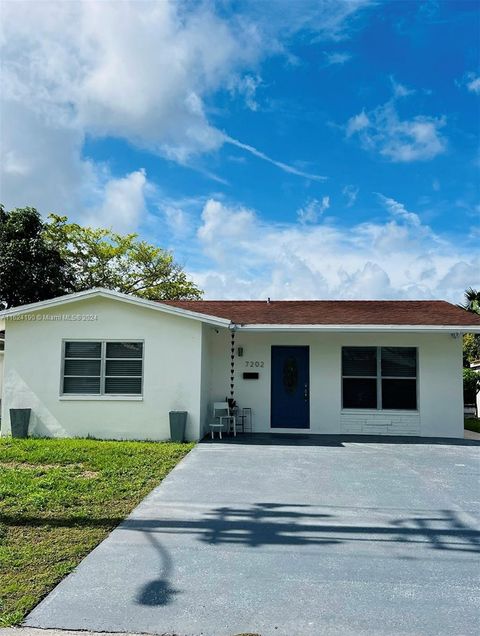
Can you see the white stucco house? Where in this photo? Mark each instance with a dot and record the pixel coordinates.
(109, 365)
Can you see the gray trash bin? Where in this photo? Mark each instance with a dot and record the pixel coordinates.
(19, 419)
(178, 423)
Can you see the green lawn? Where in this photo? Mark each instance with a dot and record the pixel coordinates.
(58, 500)
(472, 424)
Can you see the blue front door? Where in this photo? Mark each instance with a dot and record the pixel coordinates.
(290, 400)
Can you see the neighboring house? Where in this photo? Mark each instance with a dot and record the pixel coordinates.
(109, 365)
(476, 367)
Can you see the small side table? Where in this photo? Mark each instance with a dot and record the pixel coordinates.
(244, 418)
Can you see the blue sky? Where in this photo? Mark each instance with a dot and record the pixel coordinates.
(295, 150)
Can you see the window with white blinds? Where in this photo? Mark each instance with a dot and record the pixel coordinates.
(102, 368)
(379, 378)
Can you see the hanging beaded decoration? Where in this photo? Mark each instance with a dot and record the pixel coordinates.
(232, 366)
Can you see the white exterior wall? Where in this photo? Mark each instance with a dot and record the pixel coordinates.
(171, 375)
(440, 398)
(206, 382)
(1, 376)
(2, 327)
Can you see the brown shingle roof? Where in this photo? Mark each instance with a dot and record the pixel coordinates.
(334, 312)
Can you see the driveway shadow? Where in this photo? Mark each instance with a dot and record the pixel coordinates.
(265, 524)
(305, 439)
(158, 591)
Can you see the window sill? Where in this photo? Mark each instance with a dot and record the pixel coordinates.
(381, 411)
(101, 398)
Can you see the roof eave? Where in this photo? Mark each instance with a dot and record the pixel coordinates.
(454, 329)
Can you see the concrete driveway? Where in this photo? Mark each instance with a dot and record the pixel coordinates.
(287, 539)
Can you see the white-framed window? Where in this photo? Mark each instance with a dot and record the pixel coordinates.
(102, 367)
(383, 378)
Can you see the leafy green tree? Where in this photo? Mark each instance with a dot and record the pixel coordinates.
(471, 385)
(471, 342)
(103, 258)
(31, 268)
(471, 348)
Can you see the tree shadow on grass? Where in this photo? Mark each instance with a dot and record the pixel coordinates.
(60, 522)
(287, 524)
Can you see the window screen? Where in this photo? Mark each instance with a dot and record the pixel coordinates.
(399, 362)
(359, 361)
(359, 393)
(359, 371)
(123, 368)
(102, 368)
(379, 378)
(399, 394)
(399, 372)
(82, 368)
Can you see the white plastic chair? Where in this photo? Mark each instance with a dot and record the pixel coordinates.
(222, 419)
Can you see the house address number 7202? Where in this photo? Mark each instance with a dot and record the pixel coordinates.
(254, 364)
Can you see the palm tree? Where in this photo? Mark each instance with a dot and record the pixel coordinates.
(471, 341)
(472, 298)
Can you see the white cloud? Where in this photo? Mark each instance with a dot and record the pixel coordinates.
(178, 221)
(313, 210)
(246, 86)
(367, 282)
(41, 163)
(143, 72)
(240, 255)
(123, 205)
(43, 168)
(399, 140)
(144, 78)
(225, 231)
(357, 123)
(140, 72)
(474, 85)
(350, 192)
(338, 58)
(471, 81)
(400, 90)
(321, 19)
(154, 94)
(398, 210)
(280, 164)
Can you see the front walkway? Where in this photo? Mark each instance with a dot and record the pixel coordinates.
(471, 434)
(351, 538)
